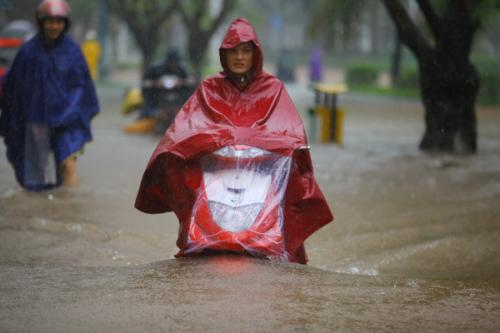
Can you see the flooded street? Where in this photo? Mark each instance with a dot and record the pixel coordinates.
(413, 248)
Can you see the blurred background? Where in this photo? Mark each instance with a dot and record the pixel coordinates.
(414, 245)
(356, 41)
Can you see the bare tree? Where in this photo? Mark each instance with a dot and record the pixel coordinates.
(334, 20)
(144, 19)
(200, 27)
(449, 81)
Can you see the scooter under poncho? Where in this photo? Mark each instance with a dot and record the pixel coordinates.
(218, 116)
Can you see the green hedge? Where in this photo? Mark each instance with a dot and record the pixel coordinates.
(489, 73)
(362, 74)
(408, 78)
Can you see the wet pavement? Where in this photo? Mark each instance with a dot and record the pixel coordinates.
(414, 246)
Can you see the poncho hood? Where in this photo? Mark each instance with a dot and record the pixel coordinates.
(241, 31)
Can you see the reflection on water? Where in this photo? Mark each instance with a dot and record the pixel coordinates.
(197, 295)
(414, 245)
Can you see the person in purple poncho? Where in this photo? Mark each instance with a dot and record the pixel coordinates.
(48, 103)
(315, 66)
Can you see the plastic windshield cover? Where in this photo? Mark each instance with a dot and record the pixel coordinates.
(239, 204)
(39, 163)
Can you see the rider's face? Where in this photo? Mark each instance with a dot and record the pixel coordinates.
(53, 27)
(239, 59)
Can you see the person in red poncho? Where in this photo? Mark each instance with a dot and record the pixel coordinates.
(242, 105)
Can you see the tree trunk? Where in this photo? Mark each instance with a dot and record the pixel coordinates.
(449, 82)
(146, 46)
(449, 91)
(201, 26)
(144, 19)
(147, 57)
(197, 46)
(396, 59)
(197, 71)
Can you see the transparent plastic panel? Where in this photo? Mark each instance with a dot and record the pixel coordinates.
(39, 159)
(240, 201)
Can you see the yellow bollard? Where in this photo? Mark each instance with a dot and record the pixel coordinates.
(331, 116)
(339, 126)
(91, 49)
(324, 114)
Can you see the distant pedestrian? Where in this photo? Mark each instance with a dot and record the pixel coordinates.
(48, 102)
(91, 49)
(315, 66)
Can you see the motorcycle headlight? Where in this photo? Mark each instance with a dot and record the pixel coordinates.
(234, 219)
(241, 152)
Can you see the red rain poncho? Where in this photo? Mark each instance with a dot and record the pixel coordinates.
(219, 114)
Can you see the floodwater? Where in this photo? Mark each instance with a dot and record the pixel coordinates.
(414, 246)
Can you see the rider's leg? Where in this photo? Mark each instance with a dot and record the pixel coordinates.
(69, 172)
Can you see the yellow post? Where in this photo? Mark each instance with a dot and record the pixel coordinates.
(339, 126)
(324, 114)
(332, 117)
